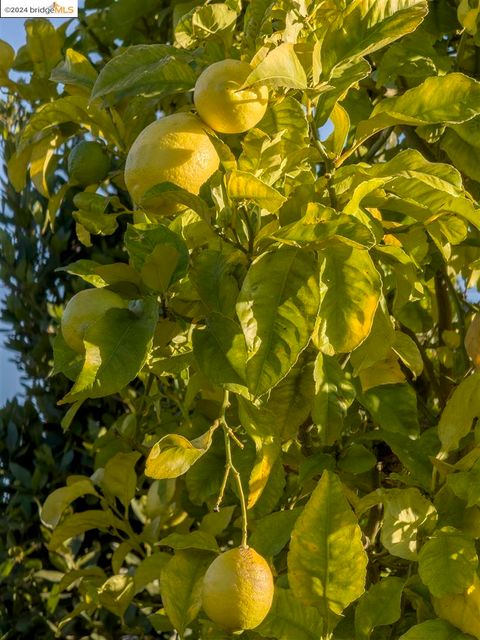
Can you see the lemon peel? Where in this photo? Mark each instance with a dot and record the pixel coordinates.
(221, 102)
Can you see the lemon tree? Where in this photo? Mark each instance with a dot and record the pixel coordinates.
(240, 247)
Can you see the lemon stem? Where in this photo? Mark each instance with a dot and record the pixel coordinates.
(238, 481)
(230, 468)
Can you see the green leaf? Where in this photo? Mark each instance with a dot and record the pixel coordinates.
(321, 227)
(357, 459)
(119, 477)
(369, 26)
(193, 540)
(116, 594)
(447, 563)
(277, 307)
(60, 499)
(103, 275)
(116, 349)
(212, 275)
(408, 352)
(283, 410)
(104, 224)
(451, 98)
(379, 606)
(289, 618)
(245, 186)
(221, 353)
(70, 109)
(280, 68)
(434, 630)
(351, 292)
(149, 569)
(393, 407)
(408, 516)
(334, 393)
(326, 561)
(462, 408)
(75, 70)
(173, 455)
(203, 23)
(159, 254)
(43, 45)
(152, 70)
(272, 533)
(77, 523)
(181, 587)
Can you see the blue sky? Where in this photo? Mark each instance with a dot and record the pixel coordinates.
(13, 32)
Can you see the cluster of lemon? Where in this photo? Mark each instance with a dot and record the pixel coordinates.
(238, 585)
(178, 149)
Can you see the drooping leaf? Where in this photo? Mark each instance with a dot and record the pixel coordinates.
(145, 69)
(60, 499)
(75, 70)
(277, 307)
(173, 455)
(351, 292)
(116, 348)
(77, 523)
(119, 477)
(221, 353)
(181, 586)
(326, 561)
(461, 409)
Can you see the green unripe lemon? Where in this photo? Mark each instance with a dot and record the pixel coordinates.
(173, 149)
(238, 589)
(222, 104)
(88, 163)
(84, 309)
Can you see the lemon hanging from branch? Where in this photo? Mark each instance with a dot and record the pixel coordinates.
(238, 589)
(223, 104)
(173, 149)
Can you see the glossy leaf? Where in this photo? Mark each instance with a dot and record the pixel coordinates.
(173, 455)
(148, 70)
(350, 295)
(277, 307)
(326, 561)
(181, 586)
(379, 606)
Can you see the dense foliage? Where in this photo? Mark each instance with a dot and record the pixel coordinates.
(296, 360)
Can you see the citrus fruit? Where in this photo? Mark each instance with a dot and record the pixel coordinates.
(462, 609)
(85, 308)
(238, 589)
(173, 149)
(88, 163)
(222, 104)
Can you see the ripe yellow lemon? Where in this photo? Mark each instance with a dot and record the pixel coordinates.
(85, 308)
(173, 149)
(222, 104)
(88, 163)
(238, 589)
